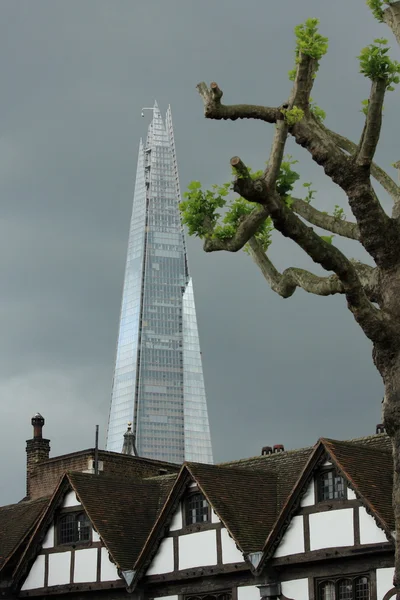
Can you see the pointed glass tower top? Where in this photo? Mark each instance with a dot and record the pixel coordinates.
(158, 379)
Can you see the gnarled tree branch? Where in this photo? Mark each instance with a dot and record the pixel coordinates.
(285, 283)
(378, 233)
(214, 109)
(377, 172)
(374, 323)
(246, 229)
(327, 222)
(373, 122)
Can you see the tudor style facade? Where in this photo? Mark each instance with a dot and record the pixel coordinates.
(310, 524)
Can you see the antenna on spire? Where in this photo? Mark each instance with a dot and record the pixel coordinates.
(147, 108)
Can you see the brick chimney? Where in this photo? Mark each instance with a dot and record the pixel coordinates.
(37, 449)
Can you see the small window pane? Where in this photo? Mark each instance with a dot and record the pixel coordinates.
(362, 588)
(345, 589)
(67, 529)
(331, 486)
(197, 509)
(327, 591)
(83, 528)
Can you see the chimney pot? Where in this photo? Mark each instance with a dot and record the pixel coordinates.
(278, 448)
(266, 450)
(37, 422)
(380, 428)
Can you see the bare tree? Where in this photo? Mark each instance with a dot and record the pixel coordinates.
(265, 202)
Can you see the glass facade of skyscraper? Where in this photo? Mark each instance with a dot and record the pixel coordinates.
(158, 379)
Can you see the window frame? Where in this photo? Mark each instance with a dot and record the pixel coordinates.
(76, 512)
(318, 487)
(336, 579)
(219, 595)
(185, 511)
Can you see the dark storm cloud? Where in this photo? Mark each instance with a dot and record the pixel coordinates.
(74, 78)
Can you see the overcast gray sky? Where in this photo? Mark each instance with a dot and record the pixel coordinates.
(74, 76)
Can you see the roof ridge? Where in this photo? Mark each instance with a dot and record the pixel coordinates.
(354, 444)
(265, 456)
(26, 502)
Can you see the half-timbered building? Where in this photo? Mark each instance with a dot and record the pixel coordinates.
(308, 524)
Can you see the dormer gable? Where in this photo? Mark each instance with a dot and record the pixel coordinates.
(195, 539)
(328, 510)
(65, 550)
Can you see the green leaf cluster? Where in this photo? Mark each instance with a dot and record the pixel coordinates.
(317, 111)
(376, 7)
(377, 65)
(338, 213)
(308, 42)
(310, 193)
(287, 177)
(200, 209)
(292, 115)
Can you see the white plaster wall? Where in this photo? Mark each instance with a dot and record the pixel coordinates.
(49, 539)
(95, 536)
(384, 581)
(309, 497)
(293, 540)
(85, 568)
(214, 517)
(177, 520)
(230, 553)
(351, 495)
(70, 500)
(108, 569)
(198, 549)
(331, 528)
(297, 589)
(167, 597)
(59, 568)
(163, 562)
(248, 592)
(370, 533)
(35, 578)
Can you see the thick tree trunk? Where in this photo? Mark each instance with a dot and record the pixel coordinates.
(391, 419)
(387, 360)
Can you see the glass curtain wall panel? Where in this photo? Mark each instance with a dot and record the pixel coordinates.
(158, 379)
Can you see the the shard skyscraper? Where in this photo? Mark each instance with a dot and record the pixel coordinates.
(158, 379)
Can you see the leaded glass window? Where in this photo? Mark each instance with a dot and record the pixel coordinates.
(330, 486)
(74, 528)
(197, 509)
(345, 588)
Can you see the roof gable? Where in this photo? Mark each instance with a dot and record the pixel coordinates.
(121, 510)
(244, 500)
(367, 469)
(16, 523)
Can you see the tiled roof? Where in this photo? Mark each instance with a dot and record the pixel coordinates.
(369, 469)
(286, 465)
(122, 510)
(16, 522)
(245, 500)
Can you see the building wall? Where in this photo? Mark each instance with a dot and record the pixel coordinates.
(45, 475)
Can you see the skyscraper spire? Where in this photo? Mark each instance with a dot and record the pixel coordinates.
(158, 378)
